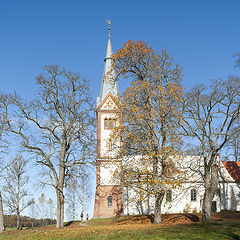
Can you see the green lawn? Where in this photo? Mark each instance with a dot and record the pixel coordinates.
(214, 230)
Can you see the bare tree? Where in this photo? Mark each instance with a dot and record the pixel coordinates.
(209, 116)
(233, 145)
(1, 214)
(3, 148)
(15, 180)
(72, 188)
(33, 207)
(78, 190)
(50, 207)
(56, 126)
(42, 201)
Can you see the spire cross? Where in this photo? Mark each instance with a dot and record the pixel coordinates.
(109, 27)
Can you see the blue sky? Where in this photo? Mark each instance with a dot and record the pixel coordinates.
(202, 36)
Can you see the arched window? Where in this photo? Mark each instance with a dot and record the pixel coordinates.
(109, 201)
(105, 123)
(168, 195)
(109, 123)
(193, 195)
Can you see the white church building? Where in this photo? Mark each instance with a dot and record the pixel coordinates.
(113, 197)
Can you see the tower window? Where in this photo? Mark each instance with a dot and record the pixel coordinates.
(109, 201)
(105, 123)
(109, 123)
(168, 195)
(193, 195)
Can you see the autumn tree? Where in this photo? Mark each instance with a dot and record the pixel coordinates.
(208, 120)
(15, 190)
(149, 128)
(56, 126)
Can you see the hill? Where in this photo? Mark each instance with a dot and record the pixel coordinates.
(225, 225)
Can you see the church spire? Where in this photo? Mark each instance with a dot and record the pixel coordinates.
(109, 82)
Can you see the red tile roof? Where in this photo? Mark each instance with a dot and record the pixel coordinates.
(233, 169)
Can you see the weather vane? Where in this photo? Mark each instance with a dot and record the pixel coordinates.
(109, 27)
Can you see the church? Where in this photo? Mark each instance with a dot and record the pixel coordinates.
(112, 197)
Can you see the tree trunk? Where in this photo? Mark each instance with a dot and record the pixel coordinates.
(157, 209)
(73, 203)
(60, 185)
(60, 209)
(18, 201)
(1, 215)
(211, 186)
(18, 220)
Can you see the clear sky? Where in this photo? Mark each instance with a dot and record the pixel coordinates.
(202, 36)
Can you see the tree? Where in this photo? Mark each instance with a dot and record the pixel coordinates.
(1, 215)
(33, 207)
(209, 116)
(50, 205)
(78, 190)
(15, 180)
(233, 145)
(150, 108)
(72, 186)
(42, 200)
(56, 126)
(3, 148)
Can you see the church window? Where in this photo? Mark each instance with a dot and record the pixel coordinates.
(168, 195)
(109, 123)
(193, 195)
(105, 123)
(109, 201)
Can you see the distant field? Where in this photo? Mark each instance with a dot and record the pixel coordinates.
(178, 226)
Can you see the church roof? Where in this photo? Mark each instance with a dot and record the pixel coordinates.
(109, 83)
(233, 169)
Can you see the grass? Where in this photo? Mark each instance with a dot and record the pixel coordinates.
(103, 229)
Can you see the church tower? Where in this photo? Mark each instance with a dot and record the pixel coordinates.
(108, 195)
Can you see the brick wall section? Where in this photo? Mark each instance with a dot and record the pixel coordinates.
(101, 208)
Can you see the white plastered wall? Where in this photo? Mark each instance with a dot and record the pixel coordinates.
(109, 173)
(105, 136)
(228, 198)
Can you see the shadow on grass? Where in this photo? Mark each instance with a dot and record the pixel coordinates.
(151, 218)
(234, 236)
(68, 224)
(192, 217)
